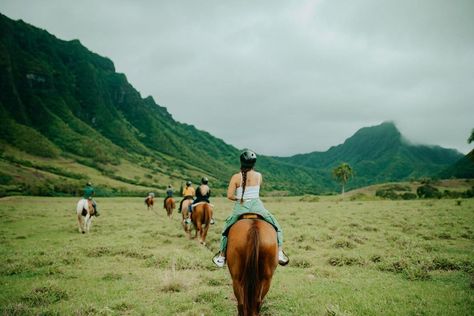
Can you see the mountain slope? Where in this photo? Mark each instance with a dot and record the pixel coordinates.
(379, 154)
(463, 168)
(59, 99)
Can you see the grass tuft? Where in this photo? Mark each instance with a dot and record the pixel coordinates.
(341, 260)
(346, 244)
(111, 276)
(99, 252)
(335, 310)
(300, 263)
(44, 295)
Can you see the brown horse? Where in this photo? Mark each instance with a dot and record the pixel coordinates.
(201, 218)
(185, 215)
(169, 206)
(149, 201)
(252, 257)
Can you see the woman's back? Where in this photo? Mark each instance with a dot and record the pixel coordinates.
(253, 179)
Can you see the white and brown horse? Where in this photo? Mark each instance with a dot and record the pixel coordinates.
(85, 210)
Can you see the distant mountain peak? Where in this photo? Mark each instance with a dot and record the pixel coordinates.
(384, 135)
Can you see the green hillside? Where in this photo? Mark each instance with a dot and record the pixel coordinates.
(67, 117)
(463, 168)
(61, 101)
(380, 154)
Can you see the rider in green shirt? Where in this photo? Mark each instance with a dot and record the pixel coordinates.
(88, 194)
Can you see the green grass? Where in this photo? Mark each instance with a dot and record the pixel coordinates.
(347, 258)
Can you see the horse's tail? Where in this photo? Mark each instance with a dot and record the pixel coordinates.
(251, 272)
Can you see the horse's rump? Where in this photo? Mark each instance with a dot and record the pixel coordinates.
(170, 203)
(202, 212)
(82, 207)
(252, 256)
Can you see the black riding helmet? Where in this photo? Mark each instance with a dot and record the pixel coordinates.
(248, 159)
(188, 183)
(204, 180)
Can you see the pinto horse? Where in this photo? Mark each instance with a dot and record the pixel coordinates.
(185, 215)
(85, 210)
(149, 201)
(169, 206)
(201, 218)
(252, 257)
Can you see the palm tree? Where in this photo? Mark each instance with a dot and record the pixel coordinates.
(343, 173)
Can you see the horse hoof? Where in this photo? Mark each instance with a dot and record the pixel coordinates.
(83, 232)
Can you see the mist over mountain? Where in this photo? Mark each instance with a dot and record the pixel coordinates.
(61, 102)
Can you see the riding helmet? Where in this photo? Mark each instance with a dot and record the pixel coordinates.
(248, 158)
(188, 183)
(204, 180)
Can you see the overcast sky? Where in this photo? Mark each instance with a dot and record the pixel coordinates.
(286, 77)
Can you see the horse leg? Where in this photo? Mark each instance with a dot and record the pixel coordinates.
(198, 229)
(206, 228)
(204, 233)
(80, 223)
(87, 219)
(89, 224)
(239, 295)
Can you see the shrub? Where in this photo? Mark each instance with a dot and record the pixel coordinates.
(428, 191)
(408, 196)
(387, 194)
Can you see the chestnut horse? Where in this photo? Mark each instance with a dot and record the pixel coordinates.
(185, 215)
(85, 210)
(149, 201)
(252, 257)
(169, 206)
(201, 218)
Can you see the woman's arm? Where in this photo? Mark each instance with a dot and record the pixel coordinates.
(231, 189)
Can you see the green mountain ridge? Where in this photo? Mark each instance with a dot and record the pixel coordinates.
(60, 102)
(379, 154)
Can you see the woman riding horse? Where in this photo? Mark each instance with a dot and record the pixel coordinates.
(188, 194)
(203, 193)
(244, 189)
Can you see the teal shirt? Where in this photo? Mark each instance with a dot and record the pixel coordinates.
(88, 192)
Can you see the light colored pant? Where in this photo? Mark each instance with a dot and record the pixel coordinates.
(249, 206)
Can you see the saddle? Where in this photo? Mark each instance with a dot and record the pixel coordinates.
(250, 216)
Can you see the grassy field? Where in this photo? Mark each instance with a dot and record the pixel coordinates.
(347, 258)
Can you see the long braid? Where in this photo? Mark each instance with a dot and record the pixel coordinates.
(244, 182)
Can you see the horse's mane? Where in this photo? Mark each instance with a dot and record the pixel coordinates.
(251, 273)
